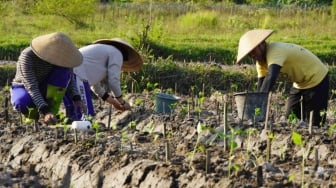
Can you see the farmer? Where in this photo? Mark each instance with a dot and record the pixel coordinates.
(294, 63)
(43, 75)
(102, 65)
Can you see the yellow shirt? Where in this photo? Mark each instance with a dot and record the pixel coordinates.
(298, 65)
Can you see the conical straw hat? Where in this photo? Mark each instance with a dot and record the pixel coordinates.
(250, 40)
(57, 49)
(134, 61)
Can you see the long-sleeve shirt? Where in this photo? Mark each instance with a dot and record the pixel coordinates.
(101, 62)
(31, 71)
(298, 65)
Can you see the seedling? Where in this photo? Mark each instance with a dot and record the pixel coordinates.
(323, 115)
(114, 126)
(139, 102)
(132, 124)
(96, 127)
(291, 178)
(234, 87)
(65, 129)
(269, 143)
(170, 91)
(233, 145)
(184, 110)
(151, 86)
(149, 128)
(124, 139)
(250, 132)
(200, 127)
(292, 119)
(331, 129)
(257, 113)
(297, 140)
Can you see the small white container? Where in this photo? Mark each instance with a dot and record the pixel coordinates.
(81, 125)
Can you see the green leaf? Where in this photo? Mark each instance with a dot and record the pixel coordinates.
(233, 144)
(297, 138)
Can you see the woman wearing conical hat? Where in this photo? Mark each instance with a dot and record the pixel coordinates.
(43, 75)
(105, 59)
(294, 63)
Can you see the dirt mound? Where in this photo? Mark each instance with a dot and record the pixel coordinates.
(143, 148)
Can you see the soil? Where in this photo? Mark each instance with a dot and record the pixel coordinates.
(145, 148)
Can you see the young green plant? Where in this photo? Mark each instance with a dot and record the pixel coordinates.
(298, 141)
(96, 127)
(233, 146)
(200, 128)
(257, 113)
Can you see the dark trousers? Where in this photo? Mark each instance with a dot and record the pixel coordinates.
(314, 99)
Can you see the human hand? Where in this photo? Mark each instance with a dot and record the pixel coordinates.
(126, 106)
(118, 104)
(50, 118)
(115, 103)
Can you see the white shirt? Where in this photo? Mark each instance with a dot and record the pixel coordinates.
(100, 62)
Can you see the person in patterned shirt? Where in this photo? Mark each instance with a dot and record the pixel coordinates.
(44, 75)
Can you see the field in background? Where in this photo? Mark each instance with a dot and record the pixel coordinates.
(185, 43)
(184, 32)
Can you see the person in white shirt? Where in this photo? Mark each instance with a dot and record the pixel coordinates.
(105, 59)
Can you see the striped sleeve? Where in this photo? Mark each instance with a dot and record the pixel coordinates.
(28, 73)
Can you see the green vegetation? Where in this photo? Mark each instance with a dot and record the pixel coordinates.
(173, 35)
(193, 31)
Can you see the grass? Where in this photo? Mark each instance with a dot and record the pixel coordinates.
(186, 32)
(178, 41)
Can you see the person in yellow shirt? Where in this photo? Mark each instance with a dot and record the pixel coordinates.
(294, 63)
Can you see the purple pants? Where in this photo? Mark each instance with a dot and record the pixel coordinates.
(59, 77)
(22, 101)
(85, 93)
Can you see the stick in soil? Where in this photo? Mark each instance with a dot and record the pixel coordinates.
(316, 161)
(76, 136)
(218, 112)
(242, 118)
(6, 106)
(21, 119)
(167, 149)
(203, 89)
(132, 87)
(207, 162)
(6, 109)
(260, 177)
(188, 110)
(301, 107)
(268, 148)
(225, 125)
(311, 113)
(109, 117)
(36, 128)
(164, 130)
(268, 109)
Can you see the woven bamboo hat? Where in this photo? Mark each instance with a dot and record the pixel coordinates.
(134, 61)
(250, 40)
(57, 49)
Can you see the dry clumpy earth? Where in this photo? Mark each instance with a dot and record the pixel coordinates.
(144, 148)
